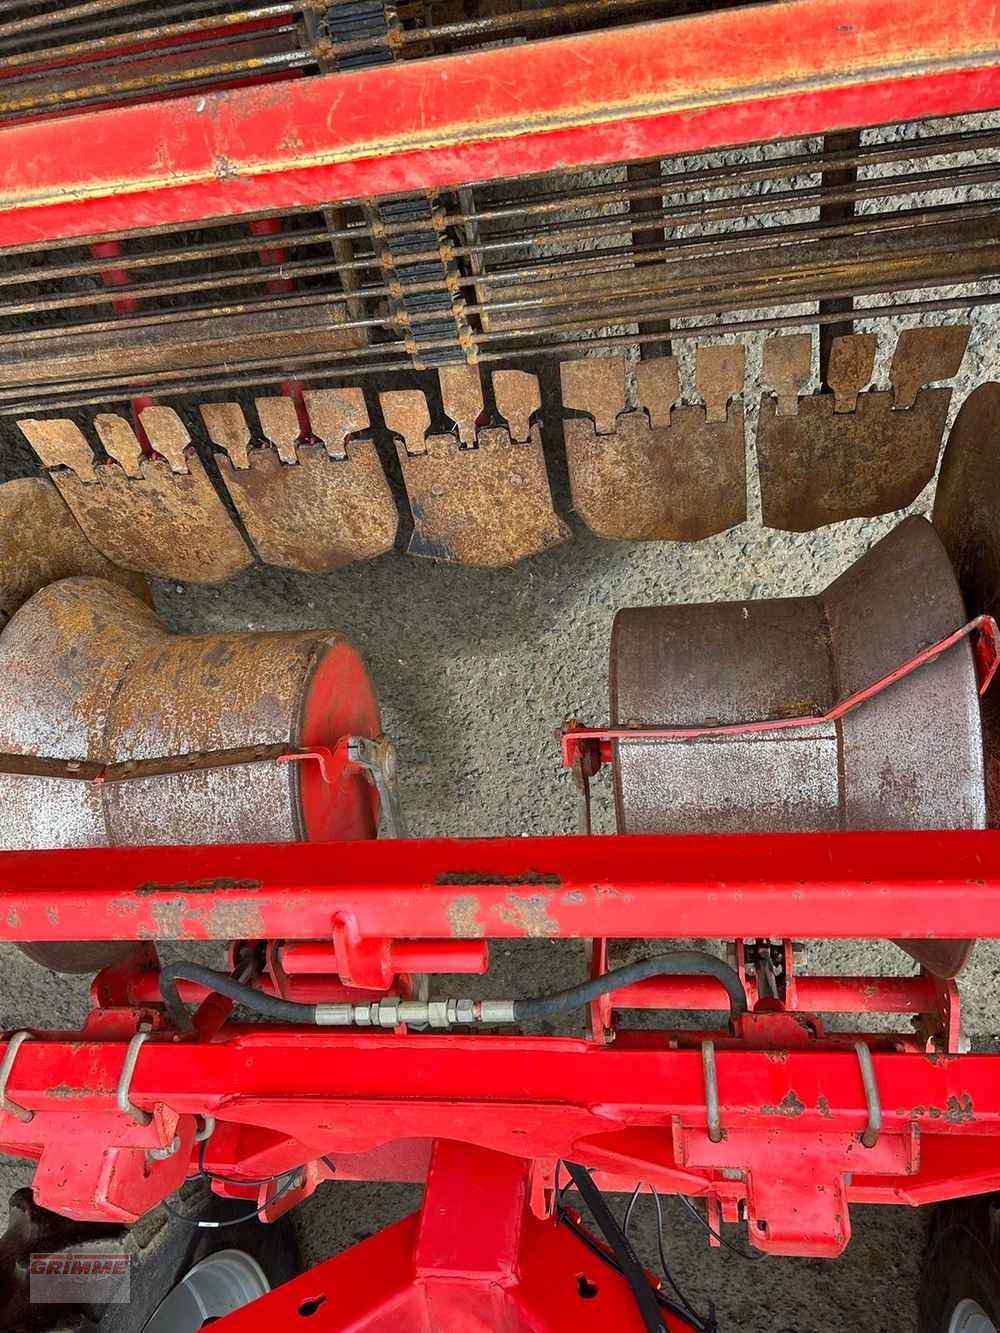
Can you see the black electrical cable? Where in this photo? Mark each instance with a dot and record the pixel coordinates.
(683, 962)
(751, 1258)
(707, 1321)
(632, 1270)
(197, 1223)
(686, 1307)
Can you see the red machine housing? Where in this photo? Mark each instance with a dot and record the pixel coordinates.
(778, 1121)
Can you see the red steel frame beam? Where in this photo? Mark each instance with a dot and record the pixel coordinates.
(901, 885)
(772, 70)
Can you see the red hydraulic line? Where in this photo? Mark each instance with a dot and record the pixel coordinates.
(786, 69)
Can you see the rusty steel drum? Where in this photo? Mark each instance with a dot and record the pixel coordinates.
(88, 671)
(910, 758)
(967, 515)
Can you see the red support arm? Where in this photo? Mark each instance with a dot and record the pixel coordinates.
(791, 68)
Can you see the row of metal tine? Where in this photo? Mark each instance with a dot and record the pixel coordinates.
(308, 490)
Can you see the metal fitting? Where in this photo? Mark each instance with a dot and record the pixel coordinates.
(394, 1011)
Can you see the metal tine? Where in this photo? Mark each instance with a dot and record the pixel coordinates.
(226, 426)
(462, 396)
(167, 434)
(595, 385)
(120, 442)
(852, 365)
(61, 443)
(719, 375)
(279, 421)
(925, 355)
(334, 414)
(406, 413)
(658, 380)
(787, 368)
(518, 397)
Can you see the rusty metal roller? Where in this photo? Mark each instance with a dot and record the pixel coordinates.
(87, 671)
(910, 758)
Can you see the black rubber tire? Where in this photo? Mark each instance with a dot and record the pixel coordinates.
(160, 1249)
(963, 1261)
(157, 1267)
(77, 959)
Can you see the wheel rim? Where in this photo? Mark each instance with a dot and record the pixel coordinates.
(216, 1286)
(970, 1317)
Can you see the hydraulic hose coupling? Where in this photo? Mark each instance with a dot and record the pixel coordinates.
(392, 1012)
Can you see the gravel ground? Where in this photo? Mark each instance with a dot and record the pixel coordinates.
(475, 671)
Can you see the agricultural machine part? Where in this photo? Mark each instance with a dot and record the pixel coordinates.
(483, 498)
(94, 681)
(40, 542)
(158, 514)
(306, 506)
(776, 715)
(223, 237)
(847, 453)
(671, 473)
(967, 515)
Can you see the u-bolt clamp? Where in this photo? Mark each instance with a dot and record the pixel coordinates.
(14, 1043)
(869, 1137)
(122, 1098)
(711, 1091)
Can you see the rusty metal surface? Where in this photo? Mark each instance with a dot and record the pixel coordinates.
(60, 444)
(41, 542)
(595, 385)
(718, 373)
(518, 397)
(406, 414)
(926, 355)
(120, 442)
(967, 516)
(462, 396)
(318, 515)
(910, 758)
(62, 657)
(786, 368)
(489, 506)
(169, 343)
(87, 670)
(279, 421)
(658, 381)
(680, 482)
(226, 427)
(821, 466)
(171, 525)
(336, 414)
(850, 368)
(167, 435)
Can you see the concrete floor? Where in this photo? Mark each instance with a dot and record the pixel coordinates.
(476, 670)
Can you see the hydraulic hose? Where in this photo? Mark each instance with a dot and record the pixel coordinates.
(683, 962)
(268, 1006)
(393, 1010)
